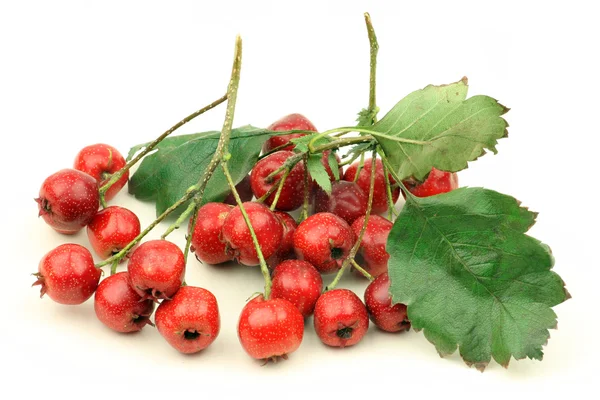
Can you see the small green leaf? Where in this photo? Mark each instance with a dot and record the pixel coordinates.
(302, 142)
(317, 171)
(471, 278)
(333, 164)
(438, 127)
(367, 117)
(180, 162)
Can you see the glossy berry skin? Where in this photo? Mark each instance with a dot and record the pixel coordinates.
(111, 230)
(100, 161)
(67, 274)
(206, 238)
(272, 328)
(437, 182)
(324, 240)
(244, 191)
(119, 307)
(68, 200)
(341, 318)
(156, 269)
(299, 283)
(380, 202)
(379, 305)
(372, 248)
(290, 197)
(236, 234)
(347, 200)
(189, 322)
(286, 249)
(287, 123)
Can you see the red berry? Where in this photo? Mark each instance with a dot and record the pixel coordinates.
(244, 191)
(119, 307)
(67, 274)
(347, 200)
(101, 161)
(380, 202)
(372, 248)
(290, 197)
(206, 239)
(190, 322)
(272, 328)
(286, 250)
(156, 269)
(299, 283)
(390, 318)
(267, 227)
(111, 230)
(437, 182)
(324, 240)
(68, 200)
(288, 123)
(341, 318)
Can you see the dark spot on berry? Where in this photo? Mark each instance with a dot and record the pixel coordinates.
(344, 333)
(191, 335)
(336, 253)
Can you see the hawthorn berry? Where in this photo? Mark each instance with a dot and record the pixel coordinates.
(190, 321)
(287, 123)
(380, 200)
(347, 200)
(324, 240)
(111, 230)
(235, 233)
(388, 317)
(290, 197)
(271, 328)
(372, 248)
(437, 182)
(341, 318)
(156, 269)
(101, 161)
(67, 274)
(119, 307)
(68, 200)
(298, 282)
(286, 249)
(206, 238)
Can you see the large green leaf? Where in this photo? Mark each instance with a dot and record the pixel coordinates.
(450, 129)
(180, 162)
(472, 278)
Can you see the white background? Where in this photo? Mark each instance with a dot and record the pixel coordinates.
(77, 73)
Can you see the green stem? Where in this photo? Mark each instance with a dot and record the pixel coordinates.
(407, 193)
(373, 66)
(263, 264)
(305, 203)
(362, 270)
(222, 146)
(361, 165)
(388, 190)
(342, 142)
(117, 175)
(113, 267)
(287, 165)
(279, 189)
(363, 229)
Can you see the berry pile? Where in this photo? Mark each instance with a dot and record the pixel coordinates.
(270, 325)
(287, 202)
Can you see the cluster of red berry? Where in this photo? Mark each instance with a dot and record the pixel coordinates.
(270, 325)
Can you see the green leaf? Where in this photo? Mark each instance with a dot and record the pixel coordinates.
(472, 278)
(334, 165)
(367, 117)
(180, 162)
(317, 171)
(438, 127)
